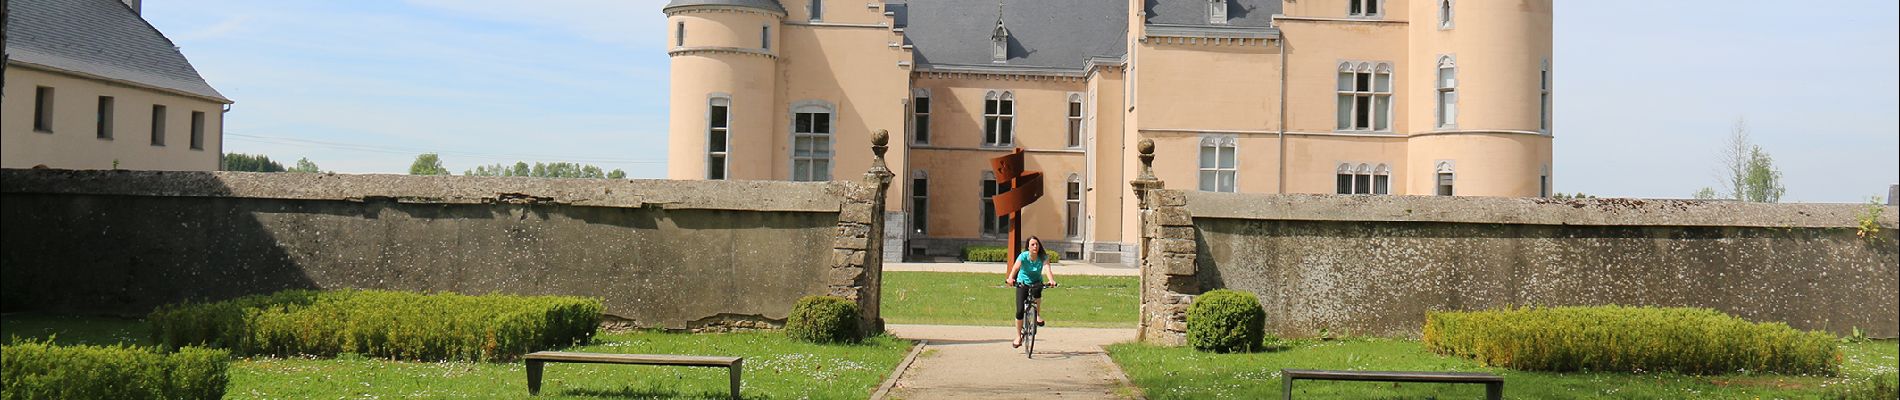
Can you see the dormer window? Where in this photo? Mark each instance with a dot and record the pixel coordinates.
(1217, 11)
(999, 38)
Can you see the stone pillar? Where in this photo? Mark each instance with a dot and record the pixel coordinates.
(857, 262)
(1168, 281)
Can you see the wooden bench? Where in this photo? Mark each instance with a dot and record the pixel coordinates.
(535, 360)
(1493, 384)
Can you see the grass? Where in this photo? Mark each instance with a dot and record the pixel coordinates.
(970, 298)
(1182, 373)
(775, 367)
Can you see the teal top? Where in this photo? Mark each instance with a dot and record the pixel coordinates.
(1028, 269)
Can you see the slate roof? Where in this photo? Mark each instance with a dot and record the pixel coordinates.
(1044, 34)
(768, 5)
(101, 38)
(1240, 13)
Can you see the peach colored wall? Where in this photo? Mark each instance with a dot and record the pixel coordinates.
(955, 158)
(1104, 200)
(956, 190)
(1485, 164)
(720, 60)
(1312, 77)
(836, 11)
(74, 143)
(1209, 87)
(1318, 158)
(854, 70)
(1499, 47)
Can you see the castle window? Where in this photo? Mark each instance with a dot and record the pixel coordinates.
(1074, 205)
(1363, 179)
(1447, 92)
(765, 37)
(1543, 181)
(1543, 98)
(1075, 120)
(718, 138)
(1365, 8)
(811, 143)
(105, 117)
(919, 201)
(43, 109)
(197, 130)
(1444, 14)
(920, 109)
(1218, 164)
(999, 119)
(817, 10)
(158, 125)
(679, 35)
(1445, 178)
(1365, 97)
(992, 223)
(1217, 11)
(999, 38)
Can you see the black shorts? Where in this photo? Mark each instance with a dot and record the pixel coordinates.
(1025, 292)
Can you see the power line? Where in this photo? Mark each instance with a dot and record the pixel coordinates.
(410, 150)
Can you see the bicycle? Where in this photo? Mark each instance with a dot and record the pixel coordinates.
(1031, 312)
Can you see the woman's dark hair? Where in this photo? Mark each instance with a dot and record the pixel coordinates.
(1042, 252)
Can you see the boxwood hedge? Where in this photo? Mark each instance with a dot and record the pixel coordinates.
(824, 319)
(1630, 339)
(1226, 321)
(41, 370)
(390, 324)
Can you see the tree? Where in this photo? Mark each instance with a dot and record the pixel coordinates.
(249, 163)
(1707, 193)
(428, 164)
(1748, 172)
(547, 170)
(304, 165)
(617, 174)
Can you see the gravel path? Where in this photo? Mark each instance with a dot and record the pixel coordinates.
(970, 362)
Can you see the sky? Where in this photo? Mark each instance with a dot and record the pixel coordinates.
(1644, 95)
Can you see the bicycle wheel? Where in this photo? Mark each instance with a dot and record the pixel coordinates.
(1029, 330)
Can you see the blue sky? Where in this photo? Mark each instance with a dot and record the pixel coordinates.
(1645, 91)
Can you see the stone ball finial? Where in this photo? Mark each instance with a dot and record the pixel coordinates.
(1145, 146)
(880, 138)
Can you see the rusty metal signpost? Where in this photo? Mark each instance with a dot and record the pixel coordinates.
(1023, 188)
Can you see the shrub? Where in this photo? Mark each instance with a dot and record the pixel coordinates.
(999, 254)
(1226, 321)
(1617, 338)
(397, 325)
(41, 370)
(824, 319)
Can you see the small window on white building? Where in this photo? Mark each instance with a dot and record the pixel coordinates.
(919, 202)
(811, 143)
(1447, 92)
(1365, 8)
(197, 130)
(718, 138)
(105, 117)
(999, 119)
(1365, 97)
(1543, 182)
(1073, 205)
(1445, 178)
(1218, 164)
(1075, 120)
(1217, 11)
(765, 37)
(679, 35)
(920, 107)
(158, 125)
(1444, 14)
(43, 109)
(817, 10)
(1543, 98)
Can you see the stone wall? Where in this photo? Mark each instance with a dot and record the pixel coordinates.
(663, 254)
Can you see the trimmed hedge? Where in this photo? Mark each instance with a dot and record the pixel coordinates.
(1226, 321)
(824, 319)
(41, 370)
(1000, 254)
(1618, 338)
(396, 325)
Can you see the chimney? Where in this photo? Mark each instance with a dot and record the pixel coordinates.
(135, 6)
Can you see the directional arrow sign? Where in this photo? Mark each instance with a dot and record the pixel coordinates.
(1025, 190)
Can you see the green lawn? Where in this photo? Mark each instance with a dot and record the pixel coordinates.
(1182, 373)
(775, 367)
(968, 298)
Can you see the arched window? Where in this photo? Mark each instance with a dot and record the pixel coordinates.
(1075, 120)
(1365, 97)
(1444, 14)
(919, 201)
(1382, 179)
(1447, 92)
(1363, 179)
(920, 108)
(992, 224)
(1073, 205)
(999, 119)
(718, 137)
(679, 34)
(811, 141)
(1219, 164)
(1445, 178)
(1543, 98)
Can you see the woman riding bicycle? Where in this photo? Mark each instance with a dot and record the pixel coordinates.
(1028, 273)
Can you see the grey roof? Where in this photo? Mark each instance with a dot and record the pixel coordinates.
(1240, 13)
(1044, 34)
(101, 38)
(768, 5)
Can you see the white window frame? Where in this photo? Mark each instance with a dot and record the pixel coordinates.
(999, 123)
(1377, 93)
(1222, 145)
(1217, 12)
(1444, 167)
(1359, 9)
(992, 225)
(1447, 92)
(1363, 178)
(920, 117)
(720, 158)
(1447, 12)
(814, 157)
(919, 202)
(1077, 110)
(1543, 98)
(1073, 192)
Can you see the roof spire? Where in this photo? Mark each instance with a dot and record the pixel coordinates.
(1001, 32)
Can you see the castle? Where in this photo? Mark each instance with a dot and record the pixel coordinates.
(1364, 97)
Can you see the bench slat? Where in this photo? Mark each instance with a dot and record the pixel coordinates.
(1394, 376)
(649, 359)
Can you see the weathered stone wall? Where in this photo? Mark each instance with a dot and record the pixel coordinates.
(667, 254)
(1376, 264)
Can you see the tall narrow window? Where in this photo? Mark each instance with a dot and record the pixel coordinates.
(920, 106)
(1218, 164)
(105, 117)
(1447, 92)
(1445, 178)
(718, 138)
(1444, 14)
(197, 130)
(43, 109)
(765, 38)
(1365, 8)
(679, 35)
(992, 224)
(1382, 179)
(817, 10)
(811, 142)
(1074, 206)
(919, 202)
(158, 125)
(999, 119)
(1217, 11)
(1075, 120)
(1343, 179)
(1365, 97)
(1543, 182)
(1543, 98)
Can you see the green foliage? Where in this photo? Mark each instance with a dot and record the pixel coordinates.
(1877, 387)
(824, 319)
(246, 163)
(1000, 254)
(1748, 172)
(36, 369)
(1226, 321)
(1618, 338)
(1869, 221)
(427, 164)
(1706, 193)
(545, 170)
(1083, 301)
(397, 325)
(306, 166)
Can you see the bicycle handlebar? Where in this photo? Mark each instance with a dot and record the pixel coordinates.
(1046, 285)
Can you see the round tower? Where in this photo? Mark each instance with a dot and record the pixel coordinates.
(724, 76)
(1480, 76)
